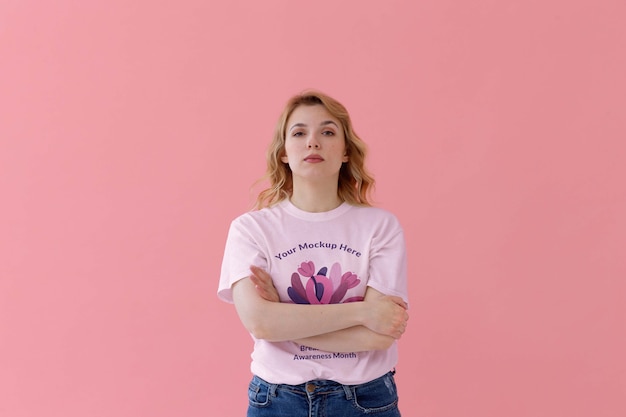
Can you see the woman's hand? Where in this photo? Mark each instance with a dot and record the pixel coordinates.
(264, 284)
(388, 314)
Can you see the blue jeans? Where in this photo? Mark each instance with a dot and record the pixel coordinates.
(323, 398)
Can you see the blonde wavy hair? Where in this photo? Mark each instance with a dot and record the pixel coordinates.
(355, 182)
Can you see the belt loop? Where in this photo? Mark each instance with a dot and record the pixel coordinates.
(348, 390)
(272, 389)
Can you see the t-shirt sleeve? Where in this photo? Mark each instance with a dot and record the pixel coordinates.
(388, 264)
(242, 250)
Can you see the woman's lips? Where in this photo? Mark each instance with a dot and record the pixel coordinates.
(314, 158)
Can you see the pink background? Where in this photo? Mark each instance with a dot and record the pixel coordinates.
(131, 132)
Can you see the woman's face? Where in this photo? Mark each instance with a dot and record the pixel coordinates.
(315, 146)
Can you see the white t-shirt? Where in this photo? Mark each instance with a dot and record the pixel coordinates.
(318, 258)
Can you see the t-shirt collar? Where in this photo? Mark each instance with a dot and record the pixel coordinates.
(307, 215)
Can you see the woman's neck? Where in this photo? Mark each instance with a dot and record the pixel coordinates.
(315, 198)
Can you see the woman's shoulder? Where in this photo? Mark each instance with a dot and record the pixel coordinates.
(374, 211)
(257, 215)
(375, 215)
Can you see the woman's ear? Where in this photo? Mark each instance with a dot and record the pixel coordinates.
(284, 159)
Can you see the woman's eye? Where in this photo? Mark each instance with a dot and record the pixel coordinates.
(328, 133)
(296, 134)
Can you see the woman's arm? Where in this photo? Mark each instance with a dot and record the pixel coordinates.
(345, 339)
(353, 339)
(277, 322)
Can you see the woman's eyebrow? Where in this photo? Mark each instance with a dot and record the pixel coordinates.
(297, 125)
(324, 123)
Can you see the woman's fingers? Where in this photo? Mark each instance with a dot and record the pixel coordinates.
(399, 301)
(264, 284)
(387, 316)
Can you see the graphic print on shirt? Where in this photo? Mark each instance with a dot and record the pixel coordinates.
(321, 288)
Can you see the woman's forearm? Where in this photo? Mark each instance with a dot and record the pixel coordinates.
(277, 322)
(353, 339)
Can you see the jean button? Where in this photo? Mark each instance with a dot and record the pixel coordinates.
(310, 387)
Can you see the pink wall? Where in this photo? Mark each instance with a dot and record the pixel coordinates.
(131, 132)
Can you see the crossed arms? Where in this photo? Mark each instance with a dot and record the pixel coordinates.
(372, 324)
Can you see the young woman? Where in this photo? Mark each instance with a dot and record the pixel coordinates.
(318, 275)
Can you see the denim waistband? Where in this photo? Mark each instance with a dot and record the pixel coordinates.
(319, 386)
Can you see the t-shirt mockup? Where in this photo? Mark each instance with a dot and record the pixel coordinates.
(318, 258)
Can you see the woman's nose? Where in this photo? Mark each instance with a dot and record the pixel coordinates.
(313, 143)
